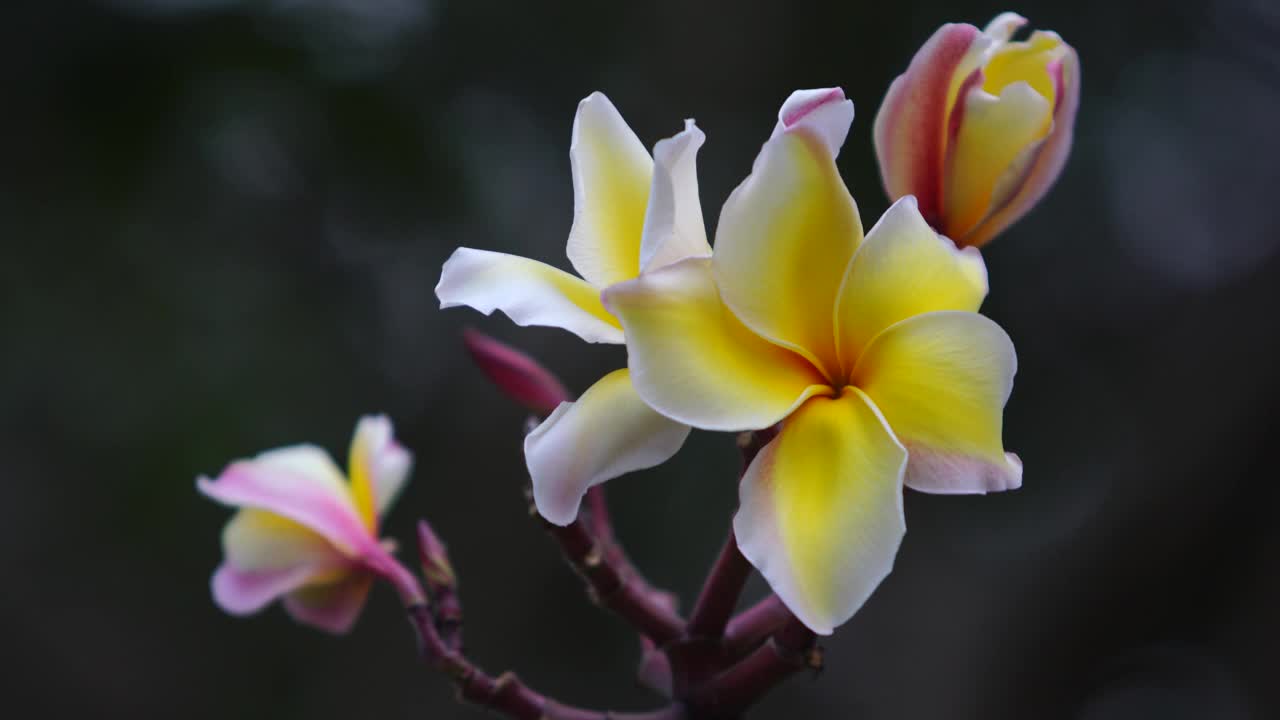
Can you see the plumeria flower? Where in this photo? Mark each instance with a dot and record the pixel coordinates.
(306, 534)
(979, 127)
(869, 351)
(632, 214)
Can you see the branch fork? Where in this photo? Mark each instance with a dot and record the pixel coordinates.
(712, 665)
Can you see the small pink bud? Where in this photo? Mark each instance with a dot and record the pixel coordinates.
(516, 374)
(434, 557)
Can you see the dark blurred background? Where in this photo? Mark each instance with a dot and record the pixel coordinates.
(222, 224)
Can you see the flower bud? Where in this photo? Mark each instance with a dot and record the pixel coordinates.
(979, 126)
(517, 375)
(434, 558)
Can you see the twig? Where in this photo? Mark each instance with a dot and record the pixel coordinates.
(624, 594)
(506, 693)
(789, 650)
(754, 625)
(720, 592)
(729, 574)
(442, 585)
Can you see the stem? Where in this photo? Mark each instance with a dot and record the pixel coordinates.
(600, 524)
(601, 521)
(738, 688)
(622, 593)
(720, 592)
(442, 585)
(506, 694)
(754, 625)
(729, 574)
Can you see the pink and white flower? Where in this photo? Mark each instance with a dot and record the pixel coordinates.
(305, 534)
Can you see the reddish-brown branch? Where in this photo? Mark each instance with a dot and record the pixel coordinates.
(731, 692)
(442, 585)
(729, 574)
(754, 625)
(624, 594)
(721, 591)
(506, 693)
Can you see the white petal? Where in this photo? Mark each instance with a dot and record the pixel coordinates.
(673, 225)
(529, 292)
(608, 432)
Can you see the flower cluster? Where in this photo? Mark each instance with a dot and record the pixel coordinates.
(858, 361)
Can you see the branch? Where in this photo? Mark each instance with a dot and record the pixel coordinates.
(729, 574)
(623, 593)
(738, 688)
(754, 625)
(599, 522)
(720, 592)
(442, 585)
(506, 694)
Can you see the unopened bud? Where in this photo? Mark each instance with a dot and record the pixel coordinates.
(517, 375)
(436, 567)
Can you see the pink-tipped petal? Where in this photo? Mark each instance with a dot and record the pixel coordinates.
(824, 112)
(949, 473)
(911, 126)
(299, 483)
(516, 374)
(332, 607)
(244, 592)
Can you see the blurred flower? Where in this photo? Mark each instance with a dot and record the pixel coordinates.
(632, 213)
(909, 386)
(304, 533)
(979, 127)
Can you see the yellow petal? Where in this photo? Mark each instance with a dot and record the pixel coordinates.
(611, 176)
(784, 241)
(607, 432)
(529, 292)
(1024, 62)
(694, 362)
(258, 540)
(1032, 183)
(993, 132)
(821, 514)
(331, 606)
(378, 468)
(902, 269)
(941, 380)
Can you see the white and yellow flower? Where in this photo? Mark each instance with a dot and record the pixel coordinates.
(632, 213)
(979, 127)
(869, 351)
(304, 533)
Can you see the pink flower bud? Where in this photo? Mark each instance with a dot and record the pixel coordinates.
(517, 375)
(979, 127)
(436, 567)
